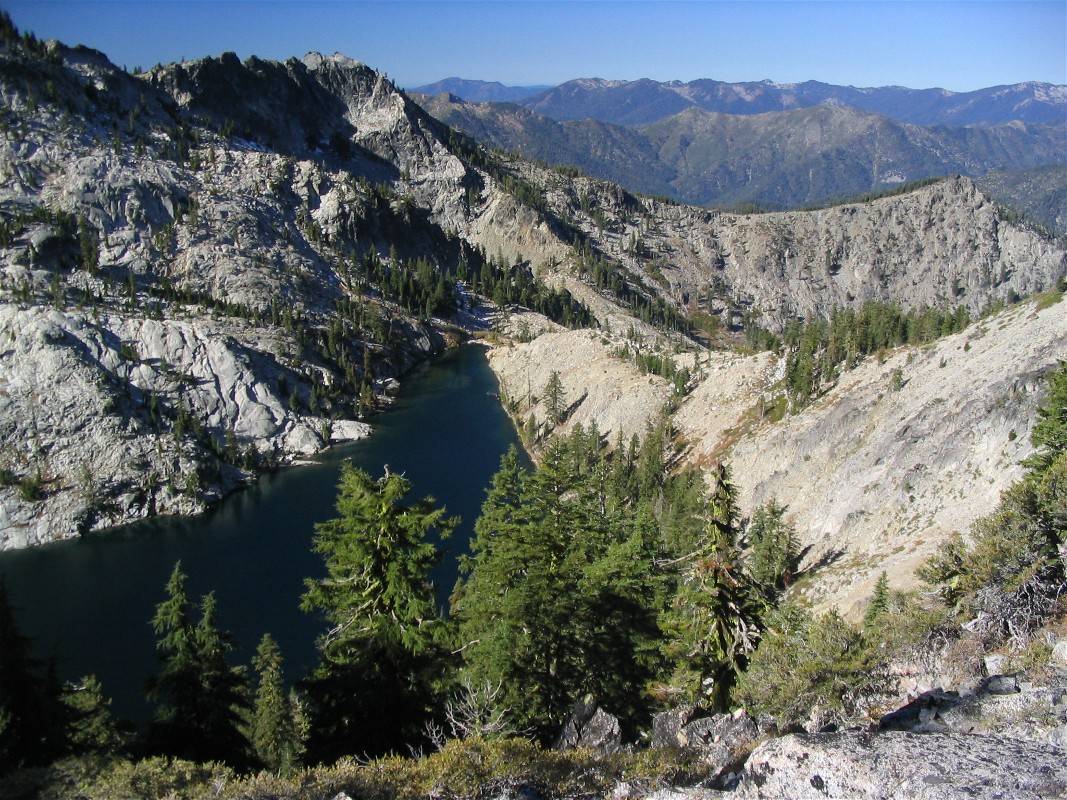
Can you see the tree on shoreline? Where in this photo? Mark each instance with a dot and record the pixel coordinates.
(382, 655)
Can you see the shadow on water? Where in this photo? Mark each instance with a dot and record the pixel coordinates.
(90, 602)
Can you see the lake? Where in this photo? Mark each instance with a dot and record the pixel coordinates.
(90, 602)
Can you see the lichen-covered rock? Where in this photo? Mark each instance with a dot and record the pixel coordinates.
(667, 726)
(591, 727)
(903, 766)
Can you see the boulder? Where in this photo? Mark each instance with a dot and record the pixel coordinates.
(733, 731)
(995, 664)
(667, 725)
(721, 741)
(1001, 684)
(1058, 658)
(590, 726)
(925, 714)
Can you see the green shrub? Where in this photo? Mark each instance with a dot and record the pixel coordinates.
(812, 670)
(461, 768)
(31, 488)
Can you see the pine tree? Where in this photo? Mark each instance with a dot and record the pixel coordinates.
(650, 469)
(90, 249)
(174, 689)
(773, 542)
(560, 596)
(723, 514)
(879, 603)
(278, 732)
(198, 696)
(1050, 432)
(555, 404)
(382, 651)
(222, 695)
(714, 620)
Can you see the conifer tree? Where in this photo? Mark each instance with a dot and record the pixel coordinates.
(278, 731)
(1050, 432)
(878, 604)
(714, 620)
(555, 404)
(560, 596)
(32, 727)
(382, 652)
(91, 727)
(198, 696)
(222, 695)
(773, 542)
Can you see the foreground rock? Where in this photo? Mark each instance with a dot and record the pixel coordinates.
(590, 727)
(903, 766)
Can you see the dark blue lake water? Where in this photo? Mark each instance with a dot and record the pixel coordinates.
(90, 601)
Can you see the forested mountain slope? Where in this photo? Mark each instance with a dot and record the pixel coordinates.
(778, 159)
(643, 101)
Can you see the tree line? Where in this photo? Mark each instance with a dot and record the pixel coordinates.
(818, 349)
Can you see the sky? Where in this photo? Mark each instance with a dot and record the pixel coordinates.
(958, 45)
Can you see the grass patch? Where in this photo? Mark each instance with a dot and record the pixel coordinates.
(463, 768)
(1048, 299)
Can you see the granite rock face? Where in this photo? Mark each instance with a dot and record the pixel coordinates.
(902, 766)
(85, 402)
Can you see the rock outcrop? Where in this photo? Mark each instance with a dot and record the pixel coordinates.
(902, 766)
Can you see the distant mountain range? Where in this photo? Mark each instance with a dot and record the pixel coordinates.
(1039, 193)
(774, 159)
(643, 101)
(480, 91)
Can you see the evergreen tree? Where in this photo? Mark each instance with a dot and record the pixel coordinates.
(555, 404)
(91, 727)
(773, 542)
(1050, 432)
(198, 696)
(222, 697)
(879, 603)
(382, 652)
(278, 731)
(560, 595)
(722, 529)
(713, 623)
(30, 709)
(649, 467)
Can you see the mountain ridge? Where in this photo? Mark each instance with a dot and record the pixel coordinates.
(307, 202)
(480, 91)
(776, 159)
(644, 100)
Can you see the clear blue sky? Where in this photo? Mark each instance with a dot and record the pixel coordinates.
(960, 45)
